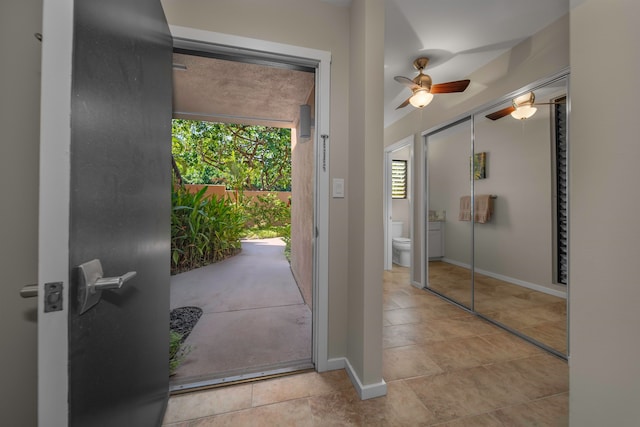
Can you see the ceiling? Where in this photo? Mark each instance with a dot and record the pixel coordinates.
(228, 91)
(459, 36)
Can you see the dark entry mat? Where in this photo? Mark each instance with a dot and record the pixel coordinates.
(183, 319)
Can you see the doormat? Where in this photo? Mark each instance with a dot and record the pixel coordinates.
(183, 319)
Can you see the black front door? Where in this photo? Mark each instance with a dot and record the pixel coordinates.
(120, 211)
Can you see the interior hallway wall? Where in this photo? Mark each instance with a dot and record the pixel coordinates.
(366, 251)
(604, 149)
(19, 154)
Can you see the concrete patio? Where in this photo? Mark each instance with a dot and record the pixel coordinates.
(254, 318)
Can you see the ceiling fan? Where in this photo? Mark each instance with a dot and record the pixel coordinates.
(422, 87)
(521, 108)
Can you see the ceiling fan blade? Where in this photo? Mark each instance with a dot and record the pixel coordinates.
(406, 81)
(500, 113)
(449, 87)
(404, 104)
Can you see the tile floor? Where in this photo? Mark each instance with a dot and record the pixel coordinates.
(536, 314)
(442, 366)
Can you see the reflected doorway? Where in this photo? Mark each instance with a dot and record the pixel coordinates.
(398, 206)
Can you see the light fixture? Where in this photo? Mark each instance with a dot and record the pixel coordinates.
(523, 112)
(523, 105)
(421, 98)
(305, 121)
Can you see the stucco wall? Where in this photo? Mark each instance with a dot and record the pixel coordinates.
(302, 191)
(19, 154)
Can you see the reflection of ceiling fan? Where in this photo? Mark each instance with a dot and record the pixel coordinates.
(422, 88)
(521, 108)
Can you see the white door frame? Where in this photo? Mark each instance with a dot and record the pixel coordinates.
(54, 197)
(195, 39)
(388, 201)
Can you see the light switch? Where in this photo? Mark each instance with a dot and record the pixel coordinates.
(338, 188)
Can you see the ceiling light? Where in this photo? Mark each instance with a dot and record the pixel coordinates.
(523, 112)
(421, 98)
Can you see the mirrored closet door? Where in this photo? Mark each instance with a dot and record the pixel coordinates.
(448, 239)
(503, 210)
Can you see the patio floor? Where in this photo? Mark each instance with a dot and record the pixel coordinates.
(254, 318)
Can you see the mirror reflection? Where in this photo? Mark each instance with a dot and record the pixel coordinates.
(448, 240)
(520, 252)
(496, 188)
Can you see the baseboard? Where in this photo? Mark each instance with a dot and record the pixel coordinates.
(417, 285)
(364, 391)
(511, 280)
(336, 363)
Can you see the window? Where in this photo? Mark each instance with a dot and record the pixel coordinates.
(398, 179)
(562, 199)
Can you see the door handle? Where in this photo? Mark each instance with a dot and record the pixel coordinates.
(91, 283)
(29, 291)
(113, 282)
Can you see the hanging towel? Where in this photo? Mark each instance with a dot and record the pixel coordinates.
(465, 209)
(483, 208)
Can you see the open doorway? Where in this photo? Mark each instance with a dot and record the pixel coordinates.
(398, 204)
(255, 309)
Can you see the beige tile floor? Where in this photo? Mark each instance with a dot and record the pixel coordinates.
(442, 366)
(538, 315)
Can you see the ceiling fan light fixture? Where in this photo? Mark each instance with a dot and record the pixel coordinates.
(421, 98)
(523, 112)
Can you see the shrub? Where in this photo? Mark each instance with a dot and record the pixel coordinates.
(177, 351)
(203, 229)
(267, 210)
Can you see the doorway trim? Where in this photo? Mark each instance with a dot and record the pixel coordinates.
(388, 201)
(208, 41)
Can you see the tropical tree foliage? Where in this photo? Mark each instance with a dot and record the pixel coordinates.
(241, 157)
(203, 229)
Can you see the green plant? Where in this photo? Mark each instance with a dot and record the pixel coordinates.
(287, 241)
(203, 229)
(177, 352)
(267, 210)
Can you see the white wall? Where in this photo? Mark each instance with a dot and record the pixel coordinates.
(19, 121)
(604, 228)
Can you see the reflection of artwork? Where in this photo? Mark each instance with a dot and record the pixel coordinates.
(480, 165)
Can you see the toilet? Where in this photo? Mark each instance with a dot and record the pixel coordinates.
(401, 246)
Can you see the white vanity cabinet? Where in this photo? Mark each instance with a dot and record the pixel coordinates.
(436, 239)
